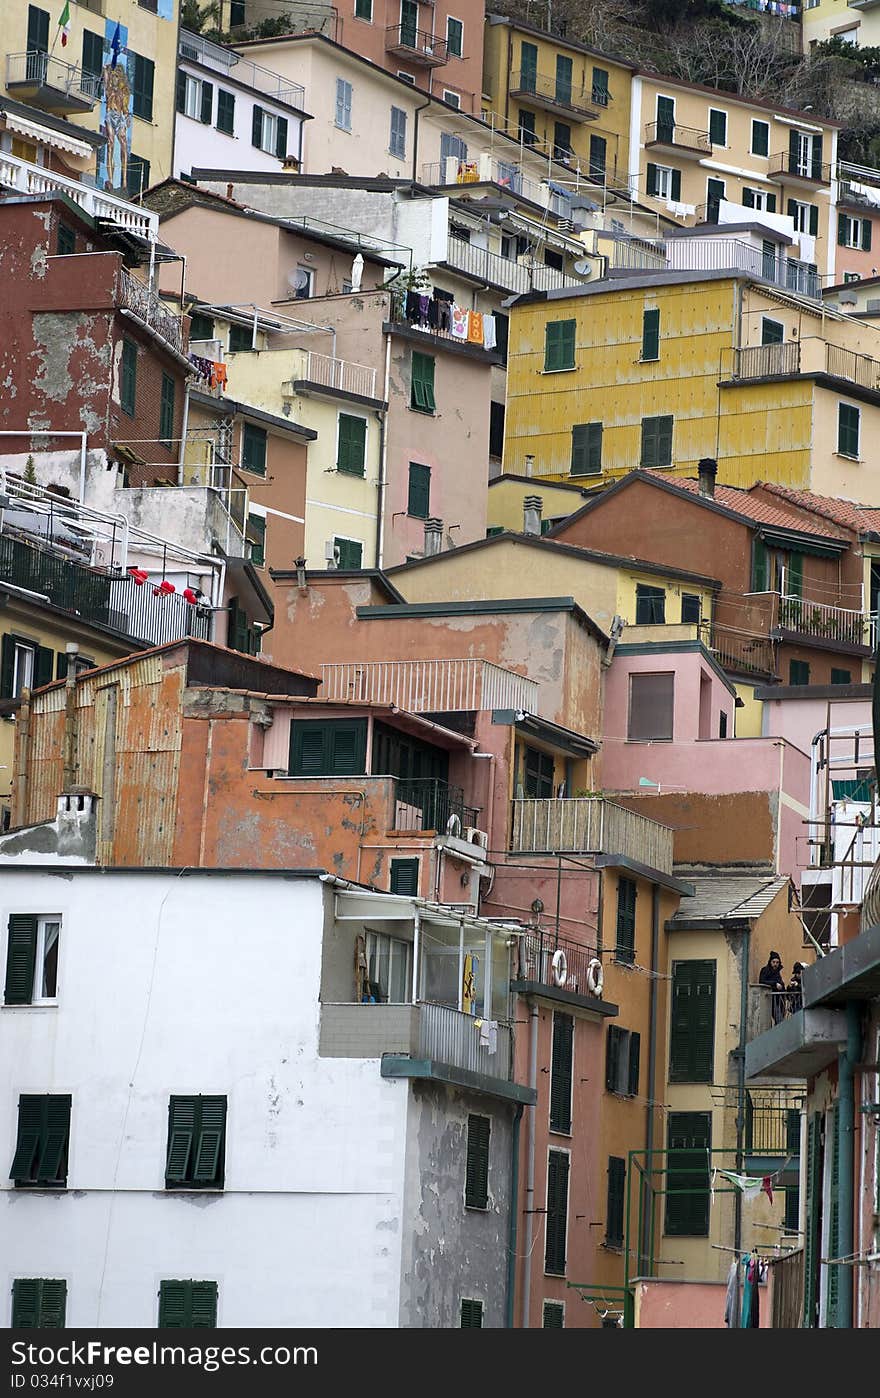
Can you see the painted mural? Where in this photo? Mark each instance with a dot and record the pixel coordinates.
(116, 107)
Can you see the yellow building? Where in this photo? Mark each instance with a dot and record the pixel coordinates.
(694, 147)
(662, 369)
(854, 21)
(558, 96)
(114, 74)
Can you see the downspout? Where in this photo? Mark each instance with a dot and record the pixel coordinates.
(184, 428)
(845, 1145)
(415, 162)
(530, 1169)
(70, 736)
(514, 1211)
(383, 460)
(741, 1078)
(22, 759)
(647, 1214)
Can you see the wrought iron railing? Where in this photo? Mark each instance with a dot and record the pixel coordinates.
(419, 44)
(742, 652)
(136, 297)
(589, 825)
(535, 963)
(428, 803)
(43, 69)
(785, 163)
(773, 1123)
(671, 133)
(526, 83)
(819, 619)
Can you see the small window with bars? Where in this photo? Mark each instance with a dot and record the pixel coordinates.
(471, 1315)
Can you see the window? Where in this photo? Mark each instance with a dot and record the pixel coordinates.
(37, 30)
(791, 1217)
(452, 99)
(137, 176)
(187, 1305)
(269, 132)
(476, 1190)
(716, 190)
(305, 283)
(557, 1213)
(665, 119)
(851, 277)
(663, 182)
(389, 967)
(689, 1135)
(717, 127)
(561, 1067)
(625, 947)
(92, 60)
(563, 78)
(40, 1158)
(656, 441)
(142, 86)
(422, 383)
(195, 98)
(128, 377)
(691, 608)
(805, 154)
(256, 534)
(166, 412)
(538, 773)
(201, 327)
(598, 157)
(496, 429)
(692, 1037)
(553, 259)
(471, 1315)
(31, 959)
(253, 449)
(241, 338)
(553, 1316)
(759, 199)
(651, 704)
(333, 748)
(38, 1304)
(806, 217)
(404, 877)
(452, 148)
(772, 331)
(616, 1200)
(397, 138)
(722, 724)
(363, 9)
(601, 95)
(561, 140)
(66, 244)
(527, 133)
(406, 78)
(454, 37)
(351, 445)
(586, 449)
(349, 552)
(196, 1143)
(761, 562)
(650, 605)
(23, 665)
(559, 343)
(798, 672)
(760, 138)
(225, 111)
(418, 503)
(651, 334)
(854, 232)
(841, 676)
(622, 1052)
(528, 64)
(343, 104)
(848, 421)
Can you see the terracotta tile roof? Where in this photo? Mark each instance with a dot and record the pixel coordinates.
(846, 512)
(753, 507)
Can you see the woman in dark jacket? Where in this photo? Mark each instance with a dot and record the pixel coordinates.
(771, 979)
(795, 994)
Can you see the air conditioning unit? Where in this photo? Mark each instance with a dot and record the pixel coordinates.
(476, 837)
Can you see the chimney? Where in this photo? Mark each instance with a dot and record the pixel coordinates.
(530, 465)
(707, 470)
(532, 506)
(433, 537)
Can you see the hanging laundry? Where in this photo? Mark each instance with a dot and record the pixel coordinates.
(475, 328)
(489, 336)
(468, 986)
(424, 308)
(750, 1315)
(731, 1304)
(218, 374)
(748, 1185)
(460, 319)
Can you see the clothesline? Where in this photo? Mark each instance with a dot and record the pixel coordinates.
(438, 312)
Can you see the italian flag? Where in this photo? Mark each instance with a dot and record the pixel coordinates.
(64, 23)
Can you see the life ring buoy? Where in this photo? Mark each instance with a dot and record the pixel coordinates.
(595, 977)
(559, 966)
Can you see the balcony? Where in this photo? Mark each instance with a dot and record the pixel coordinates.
(768, 361)
(828, 623)
(415, 45)
(430, 686)
(241, 69)
(670, 138)
(501, 271)
(325, 375)
(742, 652)
(808, 356)
(717, 252)
(535, 964)
(421, 1031)
(427, 803)
(23, 177)
(784, 167)
(578, 104)
(146, 306)
(50, 83)
(588, 825)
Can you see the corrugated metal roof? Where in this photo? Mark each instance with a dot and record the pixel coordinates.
(722, 896)
(742, 502)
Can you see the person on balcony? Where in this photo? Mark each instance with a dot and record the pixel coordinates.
(771, 979)
(795, 996)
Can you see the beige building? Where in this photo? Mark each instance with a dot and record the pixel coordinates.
(853, 21)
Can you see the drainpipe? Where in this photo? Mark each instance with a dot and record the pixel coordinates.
(22, 740)
(383, 459)
(845, 1144)
(184, 428)
(415, 165)
(530, 1168)
(741, 1078)
(70, 763)
(652, 1066)
(514, 1212)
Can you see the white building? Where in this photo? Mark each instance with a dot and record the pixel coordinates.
(207, 1119)
(233, 114)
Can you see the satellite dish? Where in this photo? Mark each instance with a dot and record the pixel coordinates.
(584, 268)
(299, 278)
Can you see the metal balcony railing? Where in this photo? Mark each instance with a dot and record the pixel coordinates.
(767, 1008)
(23, 177)
(525, 84)
(582, 825)
(773, 1123)
(671, 133)
(717, 252)
(430, 686)
(857, 368)
(136, 297)
(742, 652)
(536, 951)
(449, 1036)
(503, 271)
(788, 166)
(242, 69)
(340, 374)
(428, 803)
(418, 45)
(43, 70)
(764, 361)
(819, 619)
(638, 257)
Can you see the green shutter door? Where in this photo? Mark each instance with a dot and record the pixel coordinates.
(635, 1048)
(811, 1224)
(182, 1122)
(651, 334)
(626, 920)
(616, 1199)
(692, 1037)
(471, 1315)
(418, 503)
(665, 119)
(557, 1213)
(21, 952)
(760, 566)
(561, 1073)
(476, 1189)
(687, 1178)
(351, 455)
(612, 1057)
(528, 67)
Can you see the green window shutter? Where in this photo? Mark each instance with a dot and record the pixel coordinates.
(256, 531)
(798, 672)
(564, 66)
(308, 749)
(557, 1213)
(528, 66)
(128, 377)
(201, 327)
(404, 877)
(771, 203)
(422, 383)
(626, 921)
(336, 747)
(174, 1305)
(835, 1280)
(553, 1317)
(842, 222)
(349, 552)
(7, 667)
(651, 334)
(348, 748)
(66, 241)
(207, 102)
(616, 1199)
(21, 952)
(791, 1218)
(419, 492)
(717, 128)
(791, 210)
(814, 221)
(691, 608)
(37, 30)
(848, 430)
(687, 1178)
(182, 1124)
(675, 186)
(651, 179)
(635, 1048)
(471, 1315)
(180, 102)
(811, 1225)
(817, 158)
(281, 139)
(166, 411)
(31, 1127)
(601, 93)
(598, 157)
(41, 1145)
(53, 1305)
(26, 1293)
(866, 235)
(253, 455)
(794, 577)
(203, 1305)
(257, 127)
(692, 1033)
(760, 566)
(748, 198)
(760, 138)
(225, 111)
(208, 1165)
(476, 1190)
(612, 1056)
(352, 452)
(561, 1073)
(44, 664)
(559, 344)
(650, 449)
(793, 148)
(840, 676)
(142, 87)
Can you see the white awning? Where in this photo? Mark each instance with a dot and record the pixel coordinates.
(47, 136)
